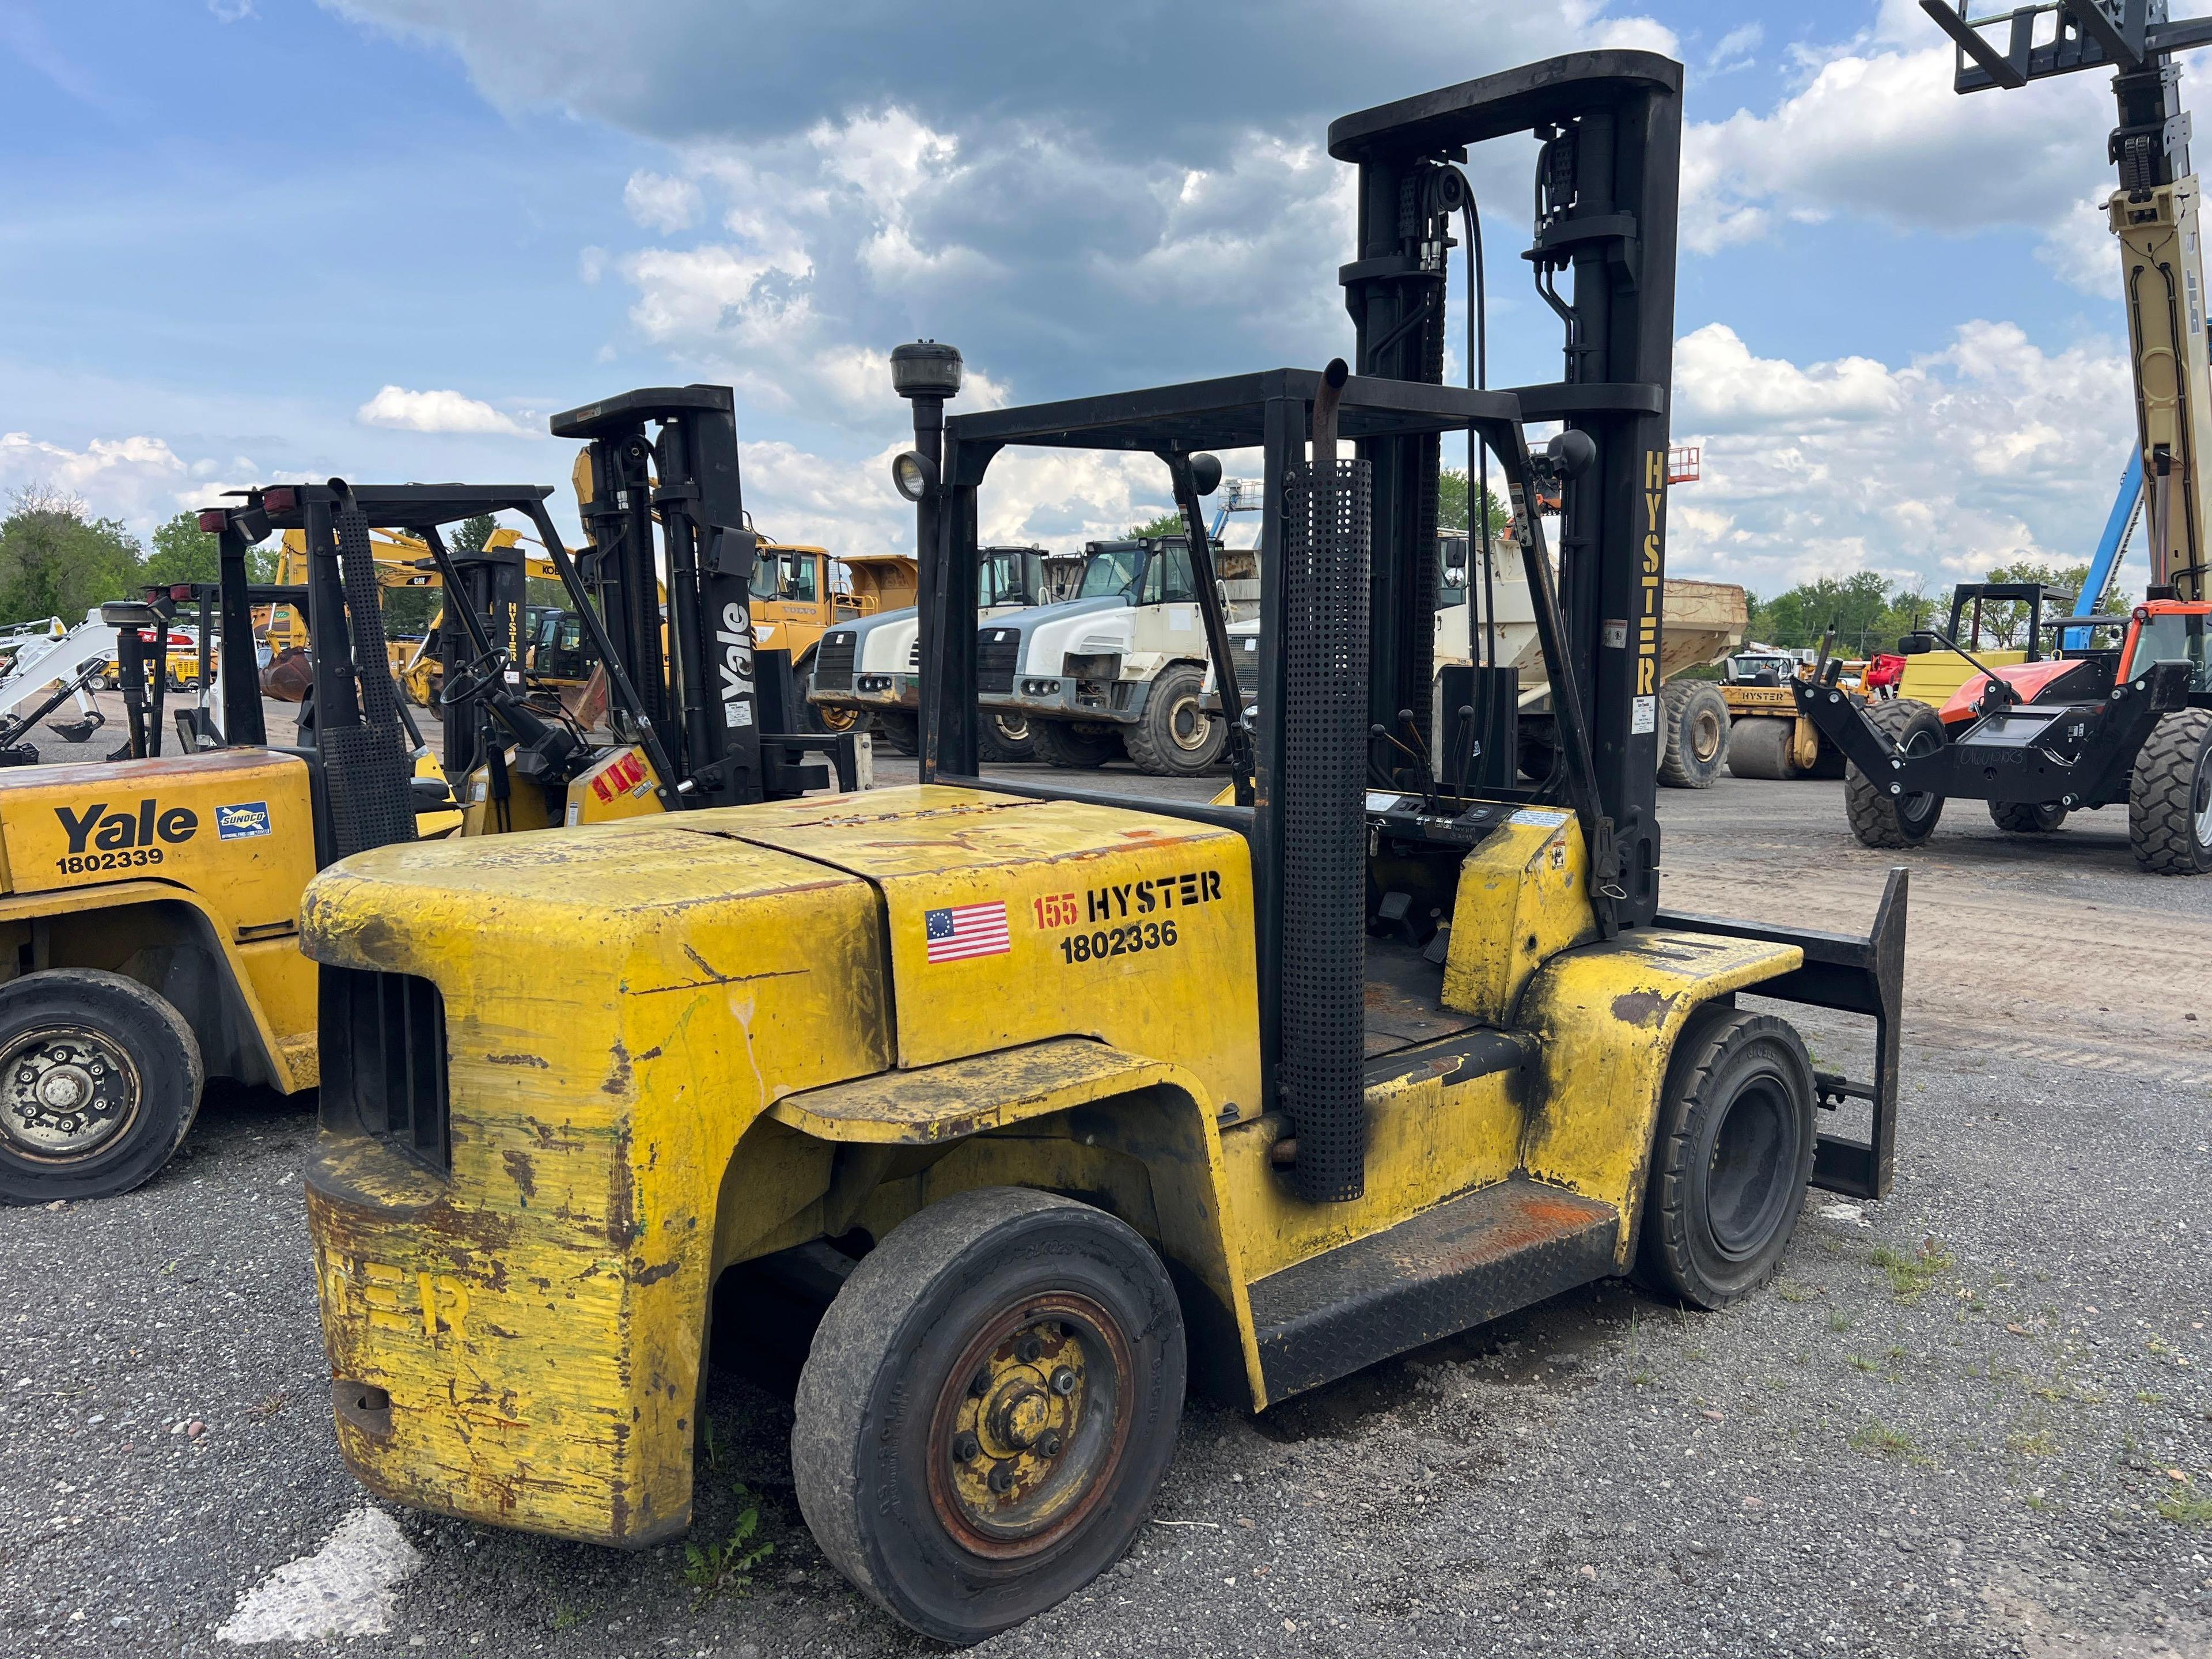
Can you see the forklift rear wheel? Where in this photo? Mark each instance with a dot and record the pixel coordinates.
(99, 1079)
(2170, 796)
(1733, 1153)
(1059, 743)
(1693, 733)
(1878, 818)
(1175, 737)
(2020, 818)
(988, 1408)
(1005, 737)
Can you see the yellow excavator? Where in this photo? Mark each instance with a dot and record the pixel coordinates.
(1015, 1109)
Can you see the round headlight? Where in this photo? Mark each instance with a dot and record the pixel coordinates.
(913, 474)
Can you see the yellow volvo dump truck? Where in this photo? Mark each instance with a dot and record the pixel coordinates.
(1062, 1102)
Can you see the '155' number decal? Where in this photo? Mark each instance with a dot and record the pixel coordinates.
(1057, 910)
(1118, 941)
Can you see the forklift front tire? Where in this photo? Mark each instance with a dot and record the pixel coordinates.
(988, 1409)
(1878, 817)
(1730, 1162)
(99, 1080)
(2170, 796)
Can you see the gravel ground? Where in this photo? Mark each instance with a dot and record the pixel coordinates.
(1972, 1419)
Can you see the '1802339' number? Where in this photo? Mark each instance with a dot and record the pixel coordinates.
(78, 864)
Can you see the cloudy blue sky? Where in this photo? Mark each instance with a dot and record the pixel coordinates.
(253, 239)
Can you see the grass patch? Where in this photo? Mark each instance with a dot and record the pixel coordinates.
(714, 1568)
(1878, 1439)
(2039, 1444)
(1859, 1362)
(1839, 1321)
(1791, 1291)
(2187, 1507)
(1909, 1275)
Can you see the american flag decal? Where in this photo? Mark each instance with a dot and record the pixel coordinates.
(967, 930)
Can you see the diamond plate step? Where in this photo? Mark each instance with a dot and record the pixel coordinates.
(1448, 1269)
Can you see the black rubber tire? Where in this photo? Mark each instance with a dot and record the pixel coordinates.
(1731, 1158)
(1759, 748)
(887, 1357)
(1176, 738)
(899, 729)
(2020, 818)
(1879, 818)
(1693, 733)
(2170, 796)
(1005, 739)
(161, 1096)
(1059, 744)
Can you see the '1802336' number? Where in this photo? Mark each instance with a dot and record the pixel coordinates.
(1126, 941)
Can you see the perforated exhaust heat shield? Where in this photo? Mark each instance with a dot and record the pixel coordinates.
(1327, 533)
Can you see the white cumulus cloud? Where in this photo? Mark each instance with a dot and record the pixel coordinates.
(1940, 467)
(660, 203)
(437, 412)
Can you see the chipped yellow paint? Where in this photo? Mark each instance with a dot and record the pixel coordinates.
(598, 1110)
(1608, 1015)
(961, 1097)
(1523, 896)
(1111, 917)
(1425, 1143)
(749, 1048)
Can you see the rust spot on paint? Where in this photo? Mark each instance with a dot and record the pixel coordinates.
(519, 1060)
(617, 1081)
(652, 1275)
(523, 1172)
(1645, 1008)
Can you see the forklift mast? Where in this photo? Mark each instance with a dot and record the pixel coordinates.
(705, 705)
(2154, 213)
(1608, 180)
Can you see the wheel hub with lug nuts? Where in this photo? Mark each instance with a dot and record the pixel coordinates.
(1030, 1431)
(64, 1092)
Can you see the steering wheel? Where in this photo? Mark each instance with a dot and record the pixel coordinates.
(472, 682)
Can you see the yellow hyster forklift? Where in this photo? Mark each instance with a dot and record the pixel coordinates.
(1050, 1100)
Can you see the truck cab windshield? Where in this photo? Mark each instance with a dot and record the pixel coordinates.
(1110, 570)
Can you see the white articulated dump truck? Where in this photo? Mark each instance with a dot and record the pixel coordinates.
(1120, 667)
(1704, 622)
(872, 666)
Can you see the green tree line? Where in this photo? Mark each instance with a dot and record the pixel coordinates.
(58, 561)
(1869, 613)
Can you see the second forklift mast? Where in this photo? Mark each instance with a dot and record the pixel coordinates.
(2155, 215)
(1609, 177)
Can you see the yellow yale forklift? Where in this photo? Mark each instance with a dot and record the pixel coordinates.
(149, 907)
(1053, 1102)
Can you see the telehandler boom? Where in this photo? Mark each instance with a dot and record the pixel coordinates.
(2120, 714)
